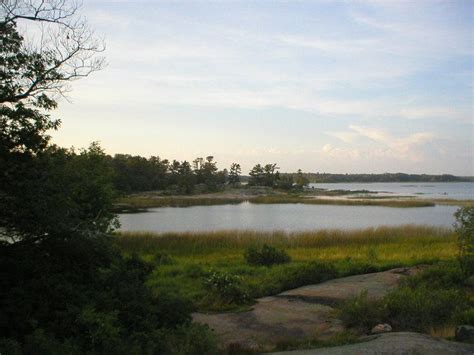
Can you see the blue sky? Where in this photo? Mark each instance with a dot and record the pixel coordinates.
(328, 86)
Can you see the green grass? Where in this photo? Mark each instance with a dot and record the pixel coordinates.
(189, 258)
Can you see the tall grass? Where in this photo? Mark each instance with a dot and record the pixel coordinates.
(343, 202)
(206, 242)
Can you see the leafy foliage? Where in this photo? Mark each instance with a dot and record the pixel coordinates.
(266, 255)
(428, 300)
(465, 230)
(64, 288)
(82, 292)
(57, 190)
(227, 286)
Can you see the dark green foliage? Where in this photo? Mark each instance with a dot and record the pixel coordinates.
(422, 308)
(139, 174)
(81, 292)
(64, 289)
(266, 255)
(466, 317)
(306, 274)
(135, 173)
(363, 313)
(465, 230)
(428, 300)
(285, 183)
(227, 286)
(234, 174)
(386, 177)
(56, 191)
(301, 180)
(163, 259)
(264, 175)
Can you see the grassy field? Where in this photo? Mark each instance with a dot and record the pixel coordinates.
(184, 263)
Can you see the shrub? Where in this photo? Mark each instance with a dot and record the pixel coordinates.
(266, 255)
(466, 317)
(228, 287)
(465, 229)
(439, 276)
(423, 307)
(362, 313)
(162, 259)
(307, 274)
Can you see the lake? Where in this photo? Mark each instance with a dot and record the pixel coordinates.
(451, 190)
(287, 217)
(301, 217)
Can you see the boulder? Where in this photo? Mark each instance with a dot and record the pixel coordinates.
(381, 328)
(465, 333)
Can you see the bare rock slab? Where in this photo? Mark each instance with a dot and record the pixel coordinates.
(305, 312)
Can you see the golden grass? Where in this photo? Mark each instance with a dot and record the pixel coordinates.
(390, 243)
(451, 202)
(343, 202)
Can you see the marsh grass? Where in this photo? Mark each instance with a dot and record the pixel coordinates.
(321, 242)
(343, 202)
(132, 203)
(315, 257)
(176, 201)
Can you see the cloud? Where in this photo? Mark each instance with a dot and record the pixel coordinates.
(386, 145)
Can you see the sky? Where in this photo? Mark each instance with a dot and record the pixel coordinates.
(322, 86)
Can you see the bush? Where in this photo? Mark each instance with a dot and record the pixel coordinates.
(362, 313)
(228, 287)
(266, 255)
(422, 308)
(428, 300)
(465, 228)
(439, 276)
(162, 259)
(78, 295)
(466, 317)
(308, 274)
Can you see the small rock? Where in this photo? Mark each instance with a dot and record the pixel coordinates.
(381, 328)
(465, 333)
(469, 281)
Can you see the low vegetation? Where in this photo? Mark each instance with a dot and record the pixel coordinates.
(140, 202)
(315, 257)
(266, 255)
(435, 298)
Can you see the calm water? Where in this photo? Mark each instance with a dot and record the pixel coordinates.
(288, 217)
(300, 217)
(452, 190)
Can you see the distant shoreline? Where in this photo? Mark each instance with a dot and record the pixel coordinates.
(384, 178)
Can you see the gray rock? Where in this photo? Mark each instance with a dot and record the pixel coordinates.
(381, 328)
(465, 333)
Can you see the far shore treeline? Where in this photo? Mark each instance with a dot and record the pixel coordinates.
(385, 177)
(139, 174)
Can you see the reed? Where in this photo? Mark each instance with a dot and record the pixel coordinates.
(206, 242)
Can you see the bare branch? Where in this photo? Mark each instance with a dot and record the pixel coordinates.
(67, 48)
